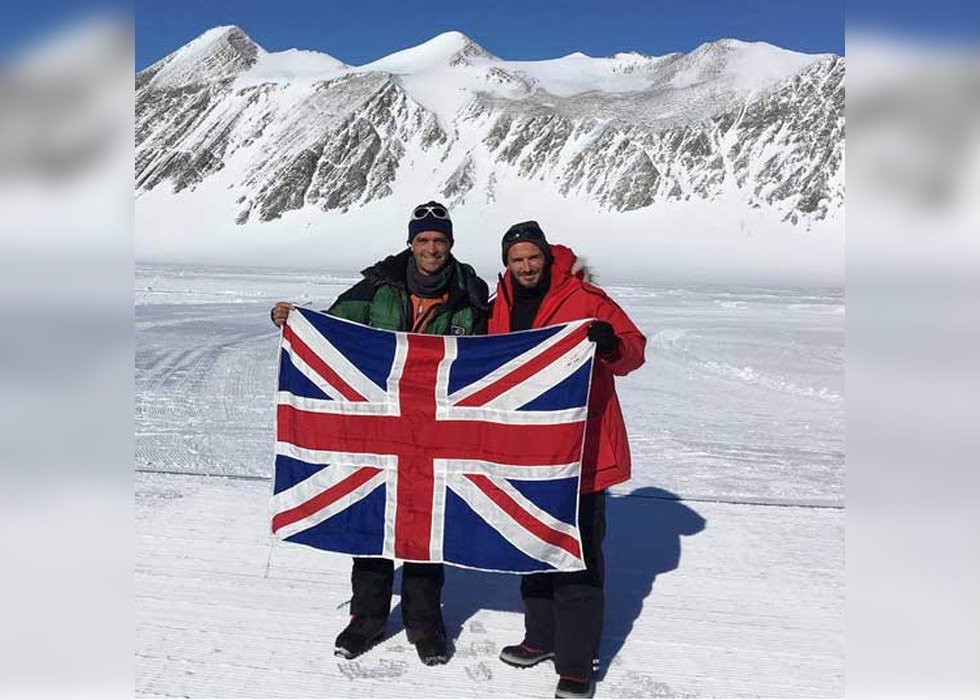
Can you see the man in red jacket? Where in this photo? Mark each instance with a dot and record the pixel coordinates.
(545, 285)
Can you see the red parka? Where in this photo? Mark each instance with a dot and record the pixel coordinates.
(606, 459)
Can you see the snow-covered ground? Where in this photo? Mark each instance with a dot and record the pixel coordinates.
(724, 552)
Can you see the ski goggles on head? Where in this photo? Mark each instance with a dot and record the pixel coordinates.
(425, 210)
(524, 231)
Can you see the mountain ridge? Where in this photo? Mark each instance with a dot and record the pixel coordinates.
(746, 124)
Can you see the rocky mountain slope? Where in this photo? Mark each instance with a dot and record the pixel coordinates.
(747, 122)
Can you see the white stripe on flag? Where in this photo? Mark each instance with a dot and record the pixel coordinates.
(391, 511)
(341, 407)
(438, 510)
(335, 359)
(314, 485)
(547, 378)
(519, 537)
(300, 364)
(508, 471)
(395, 376)
(442, 380)
(510, 417)
(347, 459)
(513, 364)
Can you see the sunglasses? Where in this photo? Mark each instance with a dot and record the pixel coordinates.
(424, 210)
(528, 230)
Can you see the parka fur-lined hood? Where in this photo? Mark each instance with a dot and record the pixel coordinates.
(566, 268)
(577, 266)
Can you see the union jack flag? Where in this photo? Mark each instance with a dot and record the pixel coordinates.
(463, 450)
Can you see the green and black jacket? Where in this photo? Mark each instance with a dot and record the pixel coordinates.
(382, 300)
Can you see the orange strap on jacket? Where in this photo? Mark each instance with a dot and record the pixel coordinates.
(423, 308)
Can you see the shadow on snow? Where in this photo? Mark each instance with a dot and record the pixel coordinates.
(643, 540)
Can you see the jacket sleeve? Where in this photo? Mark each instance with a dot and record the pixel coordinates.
(632, 343)
(355, 303)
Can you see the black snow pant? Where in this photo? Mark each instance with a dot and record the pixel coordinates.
(563, 611)
(371, 583)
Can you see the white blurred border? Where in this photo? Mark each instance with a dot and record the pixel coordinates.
(913, 375)
(66, 362)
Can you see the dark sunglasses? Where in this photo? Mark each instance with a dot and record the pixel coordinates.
(436, 211)
(526, 230)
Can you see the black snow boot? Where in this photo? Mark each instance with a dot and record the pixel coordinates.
(573, 687)
(361, 634)
(524, 656)
(432, 647)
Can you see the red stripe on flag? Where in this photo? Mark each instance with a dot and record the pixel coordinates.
(520, 445)
(416, 481)
(320, 367)
(518, 375)
(525, 519)
(324, 498)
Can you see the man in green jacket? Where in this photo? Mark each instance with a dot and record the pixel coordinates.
(423, 289)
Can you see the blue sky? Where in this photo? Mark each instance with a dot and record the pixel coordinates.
(358, 32)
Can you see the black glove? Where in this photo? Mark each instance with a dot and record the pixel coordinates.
(604, 337)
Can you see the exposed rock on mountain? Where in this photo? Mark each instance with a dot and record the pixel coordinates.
(299, 129)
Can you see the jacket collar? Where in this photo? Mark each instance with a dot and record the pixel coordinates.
(393, 271)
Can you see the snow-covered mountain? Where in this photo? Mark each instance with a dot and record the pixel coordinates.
(250, 137)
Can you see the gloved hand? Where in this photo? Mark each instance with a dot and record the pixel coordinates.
(604, 337)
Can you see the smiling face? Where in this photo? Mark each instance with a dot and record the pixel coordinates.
(431, 251)
(526, 263)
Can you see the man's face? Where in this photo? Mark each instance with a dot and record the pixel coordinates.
(526, 263)
(431, 251)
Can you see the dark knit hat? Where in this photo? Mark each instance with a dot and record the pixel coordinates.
(525, 232)
(431, 216)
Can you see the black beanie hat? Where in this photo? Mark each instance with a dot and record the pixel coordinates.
(525, 232)
(431, 216)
